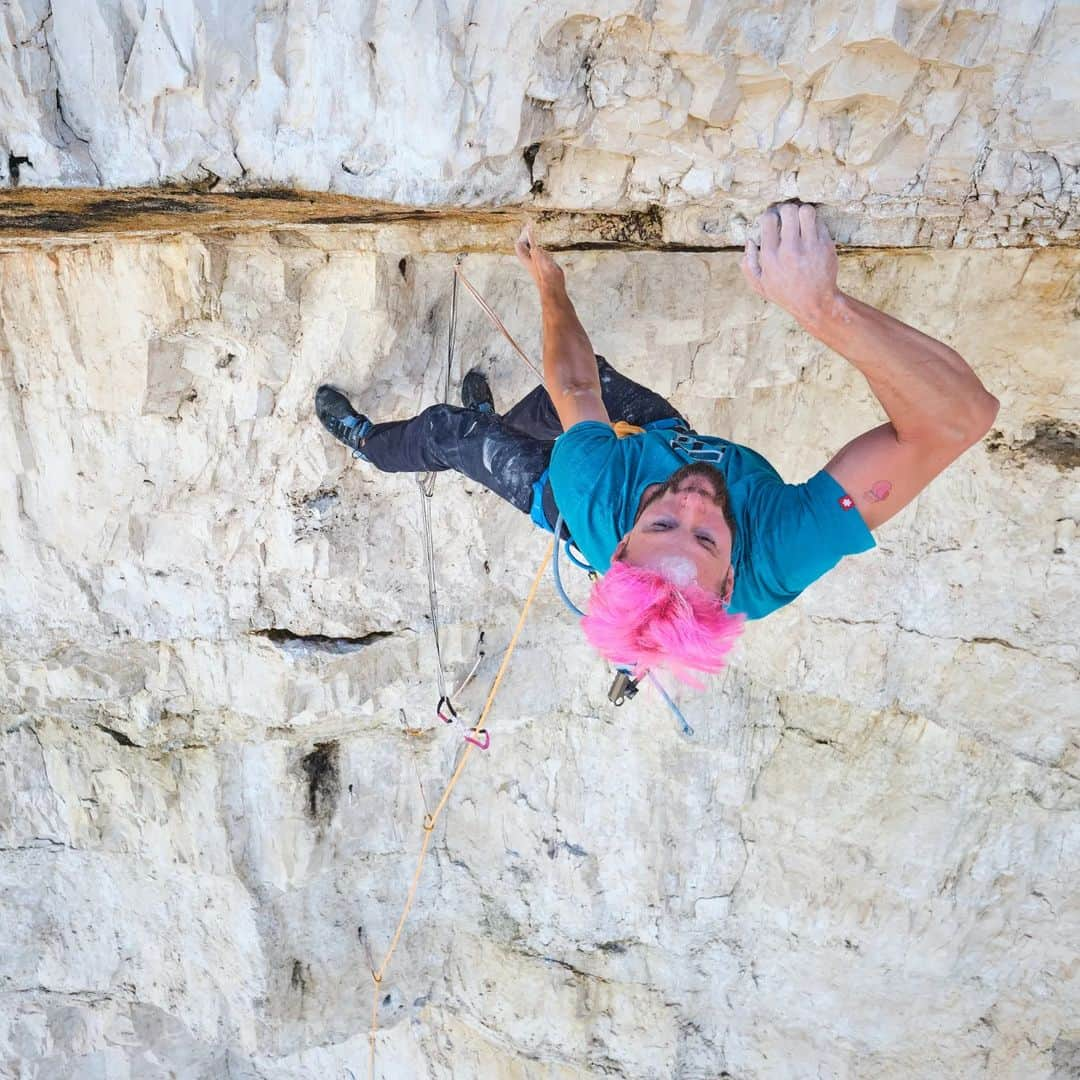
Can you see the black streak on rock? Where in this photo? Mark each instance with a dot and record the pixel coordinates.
(100, 212)
(323, 780)
(14, 162)
(369, 218)
(536, 186)
(283, 194)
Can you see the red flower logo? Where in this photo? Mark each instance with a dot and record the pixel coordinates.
(846, 502)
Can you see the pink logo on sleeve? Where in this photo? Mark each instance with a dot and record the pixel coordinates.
(846, 502)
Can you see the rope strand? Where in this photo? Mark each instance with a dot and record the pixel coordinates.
(497, 322)
(426, 482)
(431, 819)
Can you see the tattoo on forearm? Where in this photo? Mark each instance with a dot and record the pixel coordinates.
(879, 491)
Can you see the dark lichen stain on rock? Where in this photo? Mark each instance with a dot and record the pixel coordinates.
(148, 204)
(199, 207)
(635, 228)
(60, 221)
(1053, 443)
(283, 194)
(612, 947)
(320, 767)
(368, 218)
(96, 214)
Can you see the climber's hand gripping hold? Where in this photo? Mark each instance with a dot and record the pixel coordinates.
(936, 405)
(796, 264)
(544, 270)
(570, 372)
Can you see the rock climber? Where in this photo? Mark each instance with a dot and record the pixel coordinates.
(692, 534)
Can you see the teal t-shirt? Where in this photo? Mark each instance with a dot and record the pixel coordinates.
(786, 535)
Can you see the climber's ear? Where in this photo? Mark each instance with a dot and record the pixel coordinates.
(727, 586)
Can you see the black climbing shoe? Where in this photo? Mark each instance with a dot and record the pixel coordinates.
(475, 392)
(341, 419)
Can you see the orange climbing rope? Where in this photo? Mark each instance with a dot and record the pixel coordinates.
(430, 819)
(496, 321)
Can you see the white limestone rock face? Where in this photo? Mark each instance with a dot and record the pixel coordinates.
(925, 123)
(217, 690)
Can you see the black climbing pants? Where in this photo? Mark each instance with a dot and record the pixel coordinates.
(507, 453)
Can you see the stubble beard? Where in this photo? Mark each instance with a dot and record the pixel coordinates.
(714, 480)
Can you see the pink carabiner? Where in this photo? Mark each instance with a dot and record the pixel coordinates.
(476, 742)
(441, 715)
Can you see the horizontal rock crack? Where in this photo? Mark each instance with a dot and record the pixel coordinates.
(293, 642)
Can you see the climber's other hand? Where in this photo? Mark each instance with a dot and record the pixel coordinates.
(545, 271)
(795, 265)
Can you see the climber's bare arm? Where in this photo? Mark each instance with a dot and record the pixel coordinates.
(570, 373)
(936, 405)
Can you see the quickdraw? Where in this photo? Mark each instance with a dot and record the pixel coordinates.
(625, 686)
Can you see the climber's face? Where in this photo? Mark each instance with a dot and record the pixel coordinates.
(685, 531)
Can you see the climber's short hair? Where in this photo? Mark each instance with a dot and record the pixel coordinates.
(637, 618)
